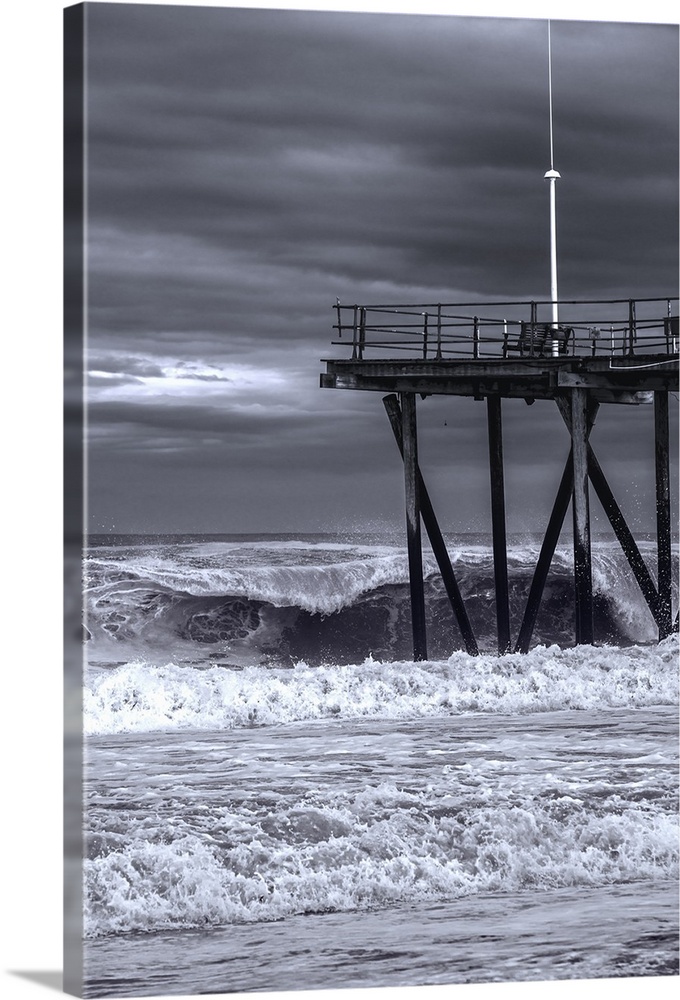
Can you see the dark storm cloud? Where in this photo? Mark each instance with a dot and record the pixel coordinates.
(322, 132)
(247, 167)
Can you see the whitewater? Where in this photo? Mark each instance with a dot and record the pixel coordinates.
(277, 795)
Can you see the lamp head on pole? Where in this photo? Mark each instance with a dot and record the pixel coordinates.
(551, 175)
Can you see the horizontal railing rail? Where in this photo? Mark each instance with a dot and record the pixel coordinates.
(511, 329)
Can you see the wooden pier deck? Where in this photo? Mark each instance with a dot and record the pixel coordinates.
(608, 379)
(614, 351)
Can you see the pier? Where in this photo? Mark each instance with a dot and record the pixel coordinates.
(622, 351)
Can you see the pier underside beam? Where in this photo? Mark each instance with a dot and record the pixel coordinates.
(413, 539)
(394, 414)
(663, 514)
(500, 550)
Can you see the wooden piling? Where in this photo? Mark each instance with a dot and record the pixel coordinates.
(394, 414)
(663, 514)
(500, 550)
(413, 539)
(583, 571)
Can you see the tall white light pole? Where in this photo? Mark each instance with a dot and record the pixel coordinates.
(552, 175)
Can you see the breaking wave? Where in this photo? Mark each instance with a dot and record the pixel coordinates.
(280, 603)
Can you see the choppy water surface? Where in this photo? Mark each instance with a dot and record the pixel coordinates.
(257, 821)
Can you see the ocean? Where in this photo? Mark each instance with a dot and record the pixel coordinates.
(278, 798)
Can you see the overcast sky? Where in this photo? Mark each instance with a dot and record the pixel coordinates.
(247, 167)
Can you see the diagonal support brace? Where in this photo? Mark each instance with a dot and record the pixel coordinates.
(552, 534)
(393, 409)
(619, 526)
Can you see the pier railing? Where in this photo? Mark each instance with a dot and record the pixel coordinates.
(467, 330)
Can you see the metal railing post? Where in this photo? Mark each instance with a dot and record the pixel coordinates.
(631, 326)
(362, 332)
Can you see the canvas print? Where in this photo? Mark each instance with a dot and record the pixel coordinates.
(374, 475)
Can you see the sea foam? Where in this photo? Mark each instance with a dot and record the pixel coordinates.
(382, 846)
(140, 697)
